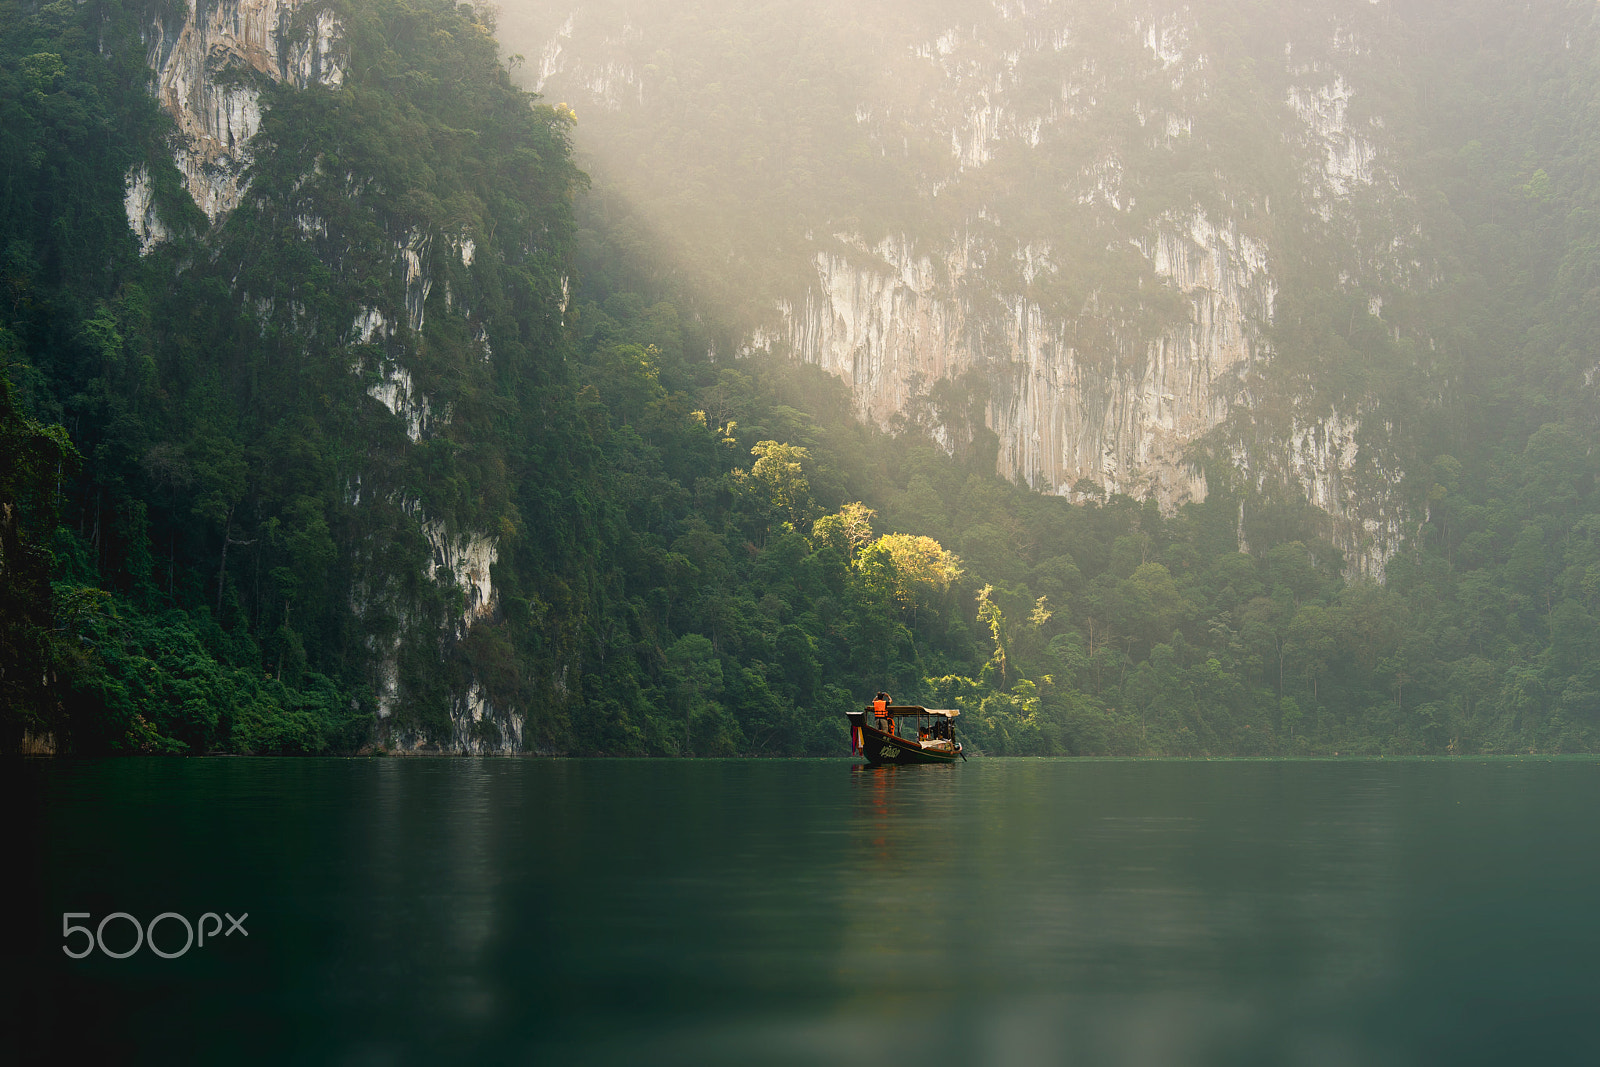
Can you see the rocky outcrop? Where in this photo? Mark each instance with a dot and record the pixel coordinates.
(208, 69)
(477, 728)
(1128, 426)
(460, 560)
(880, 318)
(397, 392)
(1338, 461)
(464, 558)
(139, 202)
(888, 319)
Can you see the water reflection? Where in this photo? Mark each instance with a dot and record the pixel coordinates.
(430, 882)
(791, 912)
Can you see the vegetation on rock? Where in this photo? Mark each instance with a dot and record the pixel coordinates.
(216, 530)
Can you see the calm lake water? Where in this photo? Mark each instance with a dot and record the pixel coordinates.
(693, 912)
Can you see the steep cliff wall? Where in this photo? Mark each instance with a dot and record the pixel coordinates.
(1119, 410)
(211, 66)
(206, 68)
(1104, 204)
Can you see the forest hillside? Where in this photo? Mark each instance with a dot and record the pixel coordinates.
(342, 410)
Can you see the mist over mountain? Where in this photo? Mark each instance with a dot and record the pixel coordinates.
(1138, 378)
(1171, 243)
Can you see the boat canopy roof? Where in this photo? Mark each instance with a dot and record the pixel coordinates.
(897, 710)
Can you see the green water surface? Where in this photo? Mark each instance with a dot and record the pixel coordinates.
(693, 912)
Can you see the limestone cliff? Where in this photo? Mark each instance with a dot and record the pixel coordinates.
(211, 62)
(887, 320)
(1104, 202)
(205, 68)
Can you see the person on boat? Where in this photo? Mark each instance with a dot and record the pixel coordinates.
(880, 708)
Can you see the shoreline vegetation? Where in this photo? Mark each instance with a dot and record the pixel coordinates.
(213, 531)
(43, 752)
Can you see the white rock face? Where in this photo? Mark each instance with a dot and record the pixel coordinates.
(1345, 157)
(878, 318)
(468, 737)
(466, 557)
(205, 79)
(611, 84)
(1326, 457)
(1035, 136)
(419, 282)
(396, 392)
(1166, 38)
(370, 325)
(888, 319)
(396, 389)
(138, 201)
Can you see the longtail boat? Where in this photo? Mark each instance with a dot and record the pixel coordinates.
(883, 733)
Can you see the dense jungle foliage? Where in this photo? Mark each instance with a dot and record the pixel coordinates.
(210, 525)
